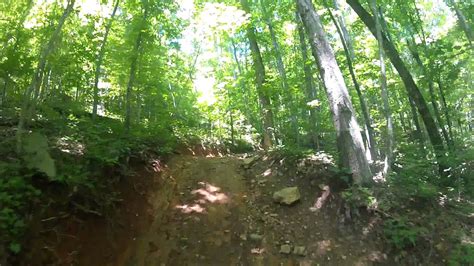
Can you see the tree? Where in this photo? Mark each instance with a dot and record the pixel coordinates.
(282, 72)
(29, 102)
(310, 88)
(100, 58)
(410, 85)
(134, 62)
(260, 80)
(349, 139)
(383, 85)
(346, 44)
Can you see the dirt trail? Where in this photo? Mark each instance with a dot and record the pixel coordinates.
(213, 212)
(201, 224)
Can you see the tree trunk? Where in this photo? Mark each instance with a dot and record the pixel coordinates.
(410, 85)
(100, 58)
(349, 139)
(383, 82)
(133, 69)
(282, 73)
(363, 105)
(429, 79)
(260, 80)
(446, 111)
(28, 103)
(462, 22)
(241, 84)
(345, 32)
(311, 93)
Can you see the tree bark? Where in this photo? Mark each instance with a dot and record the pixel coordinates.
(264, 99)
(100, 58)
(410, 85)
(311, 92)
(241, 84)
(282, 72)
(349, 138)
(383, 82)
(446, 111)
(133, 67)
(462, 22)
(28, 103)
(363, 104)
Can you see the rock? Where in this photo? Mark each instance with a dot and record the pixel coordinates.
(287, 195)
(247, 162)
(243, 237)
(255, 237)
(285, 249)
(300, 251)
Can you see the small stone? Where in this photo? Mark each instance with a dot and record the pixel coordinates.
(343, 257)
(255, 237)
(287, 195)
(285, 249)
(300, 250)
(243, 237)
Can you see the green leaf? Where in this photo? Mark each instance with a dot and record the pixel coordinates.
(15, 247)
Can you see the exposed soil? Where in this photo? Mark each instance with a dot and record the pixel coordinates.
(219, 211)
(223, 214)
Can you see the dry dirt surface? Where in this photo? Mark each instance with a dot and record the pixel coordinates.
(219, 211)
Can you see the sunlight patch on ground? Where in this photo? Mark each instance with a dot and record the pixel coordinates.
(208, 193)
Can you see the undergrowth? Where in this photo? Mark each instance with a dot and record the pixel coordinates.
(66, 154)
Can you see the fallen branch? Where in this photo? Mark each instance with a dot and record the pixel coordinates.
(86, 210)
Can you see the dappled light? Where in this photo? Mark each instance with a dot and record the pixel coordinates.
(190, 208)
(210, 194)
(207, 194)
(324, 246)
(198, 132)
(267, 172)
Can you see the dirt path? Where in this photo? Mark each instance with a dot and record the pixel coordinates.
(213, 212)
(202, 222)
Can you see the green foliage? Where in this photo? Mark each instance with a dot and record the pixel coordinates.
(17, 194)
(403, 234)
(462, 254)
(357, 196)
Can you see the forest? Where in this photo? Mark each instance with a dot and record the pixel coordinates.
(236, 132)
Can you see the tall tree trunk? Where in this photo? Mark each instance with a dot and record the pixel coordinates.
(241, 84)
(345, 33)
(383, 82)
(133, 67)
(263, 97)
(349, 138)
(363, 105)
(28, 103)
(282, 73)
(446, 111)
(410, 85)
(429, 79)
(462, 22)
(100, 58)
(311, 93)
